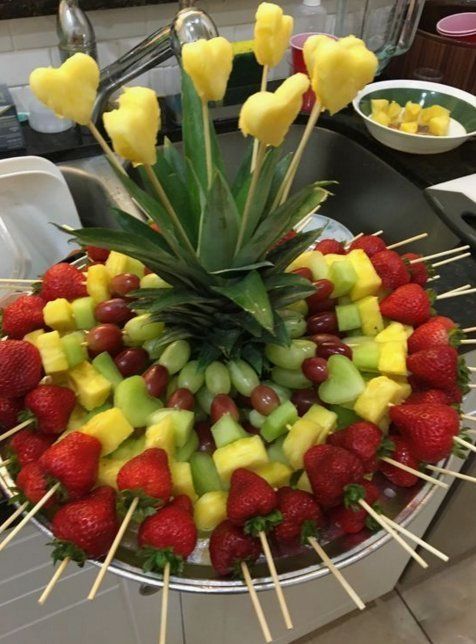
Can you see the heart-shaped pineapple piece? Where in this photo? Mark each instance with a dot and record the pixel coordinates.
(268, 116)
(272, 33)
(70, 90)
(344, 383)
(209, 64)
(133, 127)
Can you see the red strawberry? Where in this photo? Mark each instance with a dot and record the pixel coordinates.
(330, 246)
(183, 501)
(408, 304)
(86, 528)
(330, 469)
(448, 323)
(169, 536)
(251, 497)
(20, 368)
(52, 406)
(391, 269)
(28, 446)
(402, 454)
(370, 244)
(429, 396)
(9, 410)
(302, 517)
(63, 280)
(97, 254)
(433, 333)
(350, 517)
(229, 546)
(74, 463)
(148, 473)
(428, 429)
(436, 368)
(363, 439)
(22, 316)
(32, 481)
(419, 272)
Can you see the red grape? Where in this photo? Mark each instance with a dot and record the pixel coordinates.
(223, 404)
(324, 289)
(115, 310)
(122, 284)
(264, 399)
(304, 399)
(328, 349)
(206, 442)
(132, 362)
(322, 323)
(319, 338)
(96, 254)
(322, 306)
(248, 427)
(156, 378)
(315, 370)
(104, 337)
(303, 272)
(182, 399)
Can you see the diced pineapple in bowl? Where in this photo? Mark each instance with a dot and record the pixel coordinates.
(417, 117)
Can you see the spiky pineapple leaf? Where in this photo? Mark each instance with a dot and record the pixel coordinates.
(279, 174)
(244, 171)
(248, 267)
(155, 300)
(130, 224)
(174, 159)
(285, 253)
(286, 288)
(251, 295)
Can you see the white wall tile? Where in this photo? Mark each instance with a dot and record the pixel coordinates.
(36, 32)
(118, 23)
(6, 42)
(16, 66)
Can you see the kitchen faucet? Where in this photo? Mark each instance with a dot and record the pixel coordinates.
(190, 24)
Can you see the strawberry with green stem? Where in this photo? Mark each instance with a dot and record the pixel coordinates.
(302, 516)
(50, 406)
(349, 516)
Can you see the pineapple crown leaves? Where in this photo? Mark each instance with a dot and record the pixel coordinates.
(155, 560)
(63, 549)
(263, 524)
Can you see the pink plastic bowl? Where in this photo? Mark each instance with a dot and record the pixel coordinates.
(459, 25)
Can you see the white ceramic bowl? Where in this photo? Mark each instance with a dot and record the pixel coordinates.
(461, 104)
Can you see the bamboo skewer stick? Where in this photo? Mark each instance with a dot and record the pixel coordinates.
(351, 241)
(36, 508)
(415, 538)
(208, 143)
(8, 522)
(465, 287)
(14, 280)
(469, 329)
(443, 253)
(5, 463)
(256, 602)
(336, 572)
(467, 341)
(471, 385)
(277, 584)
(456, 475)
(165, 604)
(415, 472)
(264, 83)
(393, 534)
(464, 443)
(451, 259)
(407, 241)
(106, 148)
(435, 277)
(249, 199)
(17, 428)
(53, 581)
(469, 417)
(447, 296)
(113, 548)
(472, 369)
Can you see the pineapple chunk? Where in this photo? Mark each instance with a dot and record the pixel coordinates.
(410, 127)
(245, 452)
(152, 280)
(369, 310)
(433, 111)
(117, 264)
(404, 390)
(97, 283)
(381, 118)
(77, 418)
(368, 282)
(439, 125)
(411, 112)
(51, 351)
(372, 404)
(182, 481)
(392, 333)
(378, 105)
(304, 483)
(58, 315)
(314, 261)
(110, 427)
(331, 258)
(162, 435)
(302, 435)
(394, 110)
(277, 474)
(210, 510)
(324, 417)
(90, 386)
(108, 471)
(33, 336)
(393, 358)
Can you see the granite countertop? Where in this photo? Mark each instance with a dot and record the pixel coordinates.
(29, 8)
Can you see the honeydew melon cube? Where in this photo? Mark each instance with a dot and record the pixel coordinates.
(227, 430)
(108, 471)
(331, 258)
(51, 351)
(315, 261)
(118, 263)
(246, 452)
(324, 417)
(204, 473)
(182, 422)
(348, 317)
(275, 473)
(276, 423)
(83, 312)
(366, 356)
(276, 453)
(210, 510)
(161, 435)
(58, 315)
(368, 282)
(304, 483)
(97, 283)
(370, 316)
(302, 435)
(73, 346)
(33, 336)
(393, 358)
(395, 331)
(182, 481)
(90, 386)
(110, 427)
(132, 397)
(130, 448)
(373, 402)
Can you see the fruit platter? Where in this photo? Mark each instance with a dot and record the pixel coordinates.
(209, 400)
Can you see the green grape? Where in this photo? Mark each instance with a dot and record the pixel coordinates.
(141, 328)
(171, 387)
(154, 348)
(217, 378)
(175, 356)
(295, 325)
(300, 306)
(191, 377)
(293, 379)
(243, 377)
(290, 357)
(204, 398)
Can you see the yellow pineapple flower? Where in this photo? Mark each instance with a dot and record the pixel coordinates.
(272, 33)
(133, 127)
(208, 63)
(338, 69)
(70, 90)
(268, 116)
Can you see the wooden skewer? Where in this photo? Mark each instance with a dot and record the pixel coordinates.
(165, 604)
(472, 369)
(14, 280)
(471, 385)
(21, 288)
(468, 342)
(435, 277)
(470, 431)
(336, 572)
(469, 329)
(393, 534)
(464, 443)
(36, 508)
(456, 475)
(113, 548)
(415, 472)
(277, 584)
(415, 538)
(5, 463)
(451, 259)
(299, 227)
(469, 417)
(465, 287)
(16, 429)
(443, 253)
(407, 241)
(446, 296)
(8, 522)
(53, 581)
(375, 234)
(256, 602)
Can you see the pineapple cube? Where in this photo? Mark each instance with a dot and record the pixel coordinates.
(331, 258)
(210, 510)
(392, 333)
(439, 125)
(51, 351)
(323, 417)
(33, 336)
(58, 315)
(394, 110)
(97, 283)
(393, 358)
(182, 480)
(304, 483)
(302, 435)
(152, 280)
(369, 310)
(108, 471)
(90, 386)
(314, 261)
(372, 404)
(410, 127)
(277, 474)
(368, 281)
(381, 118)
(77, 418)
(379, 105)
(117, 263)
(245, 452)
(404, 390)
(433, 111)
(162, 435)
(411, 112)
(110, 427)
